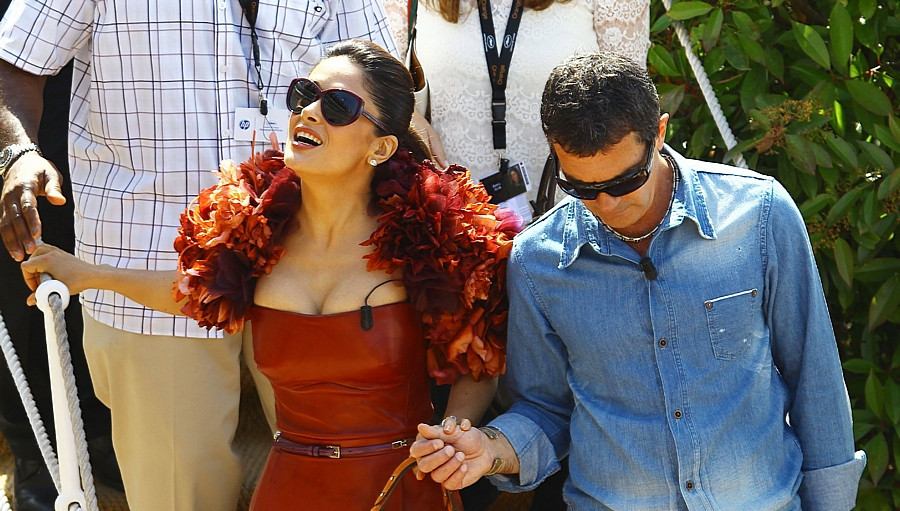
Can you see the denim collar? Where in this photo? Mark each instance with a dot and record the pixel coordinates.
(581, 227)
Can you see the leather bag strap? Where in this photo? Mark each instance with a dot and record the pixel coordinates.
(451, 497)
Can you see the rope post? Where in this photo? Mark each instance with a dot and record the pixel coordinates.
(71, 491)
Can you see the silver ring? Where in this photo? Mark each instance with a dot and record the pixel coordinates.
(444, 421)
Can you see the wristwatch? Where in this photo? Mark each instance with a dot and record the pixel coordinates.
(11, 153)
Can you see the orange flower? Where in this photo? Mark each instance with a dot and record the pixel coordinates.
(452, 245)
(230, 236)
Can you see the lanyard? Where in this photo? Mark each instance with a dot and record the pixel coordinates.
(251, 8)
(498, 65)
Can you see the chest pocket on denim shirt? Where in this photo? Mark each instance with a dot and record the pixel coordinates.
(731, 321)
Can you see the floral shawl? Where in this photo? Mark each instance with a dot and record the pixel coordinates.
(436, 226)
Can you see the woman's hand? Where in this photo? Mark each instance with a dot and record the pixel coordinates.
(427, 133)
(61, 265)
(455, 459)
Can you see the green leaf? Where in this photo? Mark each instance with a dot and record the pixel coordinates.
(841, 33)
(880, 159)
(687, 10)
(743, 22)
(734, 53)
(811, 76)
(869, 212)
(801, 151)
(812, 44)
(843, 256)
(892, 400)
(823, 159)
(877, 454)
(874, 393)
(830, 173)
(878, 269)
(660, 59)
(860, 366)
(775, 62)
(812, 206)
(712, 30)
(842, 205)
(753, 86)
(843, 149)
(886, 299)
(753, 49)
(890, 184)
(869, 96)
(838, 120)
(867, 8)
(861, 429)
(884, 135)
(894, 125)
(661, 23)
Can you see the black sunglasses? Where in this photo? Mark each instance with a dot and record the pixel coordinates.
(622, 185)
(339, 107)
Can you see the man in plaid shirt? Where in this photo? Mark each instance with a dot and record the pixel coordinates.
(162, 91)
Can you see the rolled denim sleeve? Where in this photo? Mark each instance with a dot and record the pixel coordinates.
(834, 487)
(806, 355)
(537, 425)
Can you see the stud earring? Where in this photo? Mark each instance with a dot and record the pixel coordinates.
(373, 162)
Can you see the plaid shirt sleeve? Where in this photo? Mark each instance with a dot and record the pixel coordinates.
(42, 37)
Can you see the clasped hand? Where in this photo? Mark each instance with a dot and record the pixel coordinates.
(455, 455)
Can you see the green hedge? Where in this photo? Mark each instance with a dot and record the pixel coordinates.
(809, 89)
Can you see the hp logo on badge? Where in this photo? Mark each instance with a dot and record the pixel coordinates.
(244, 124)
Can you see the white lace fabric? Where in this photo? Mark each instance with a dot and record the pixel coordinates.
(453, 59)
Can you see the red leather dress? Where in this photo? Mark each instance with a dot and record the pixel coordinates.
(338, 384)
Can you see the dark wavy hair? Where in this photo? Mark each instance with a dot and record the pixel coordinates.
(390, 86)
(593, 101)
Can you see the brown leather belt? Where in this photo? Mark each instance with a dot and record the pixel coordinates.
(336, 451)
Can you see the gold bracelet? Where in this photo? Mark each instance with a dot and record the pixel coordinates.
(498, 464)
(492, 434)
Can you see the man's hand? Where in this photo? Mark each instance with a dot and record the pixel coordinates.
(456, 458)
(30, 177)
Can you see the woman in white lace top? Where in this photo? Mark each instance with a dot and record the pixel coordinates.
(449, 46)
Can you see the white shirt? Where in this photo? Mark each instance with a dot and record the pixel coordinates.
(155, 89)
(452, 55)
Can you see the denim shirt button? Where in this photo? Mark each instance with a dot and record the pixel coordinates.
(663, 342)
(677, 414)
(689, 485)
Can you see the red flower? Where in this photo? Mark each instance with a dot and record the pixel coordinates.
(451, 244)
(436, 226)
(230, 236)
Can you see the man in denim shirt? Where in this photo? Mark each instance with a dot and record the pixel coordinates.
(668, 330)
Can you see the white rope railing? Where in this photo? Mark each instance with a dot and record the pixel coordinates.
(706, 88)
(34, 417)
(72, 477)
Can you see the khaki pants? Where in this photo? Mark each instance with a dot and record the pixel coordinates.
(174, 404)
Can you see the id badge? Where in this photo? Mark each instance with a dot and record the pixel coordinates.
(249, 120)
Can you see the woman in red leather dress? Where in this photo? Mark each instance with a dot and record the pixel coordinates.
(388, 271)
